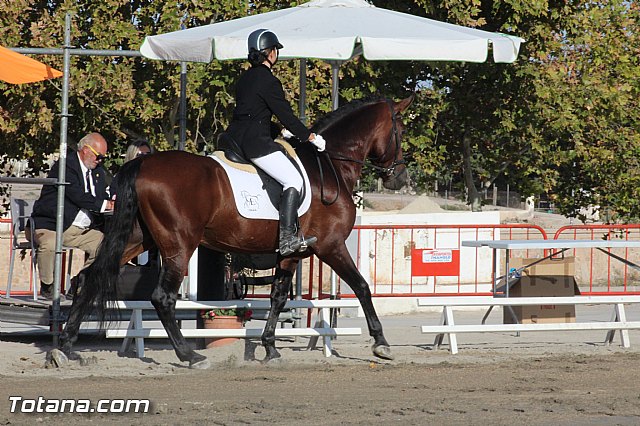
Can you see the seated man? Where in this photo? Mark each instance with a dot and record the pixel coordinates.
(85, 197)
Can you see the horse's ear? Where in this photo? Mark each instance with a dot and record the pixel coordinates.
(404, 104)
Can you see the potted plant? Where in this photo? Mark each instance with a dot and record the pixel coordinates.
(224, 318)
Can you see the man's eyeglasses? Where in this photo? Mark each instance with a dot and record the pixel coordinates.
(99, 157)
(141, 153)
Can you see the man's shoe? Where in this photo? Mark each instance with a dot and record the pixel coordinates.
(46, 292)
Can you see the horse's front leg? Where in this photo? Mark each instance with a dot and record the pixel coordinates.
(340, 261)
(164, 300)
(279, 294)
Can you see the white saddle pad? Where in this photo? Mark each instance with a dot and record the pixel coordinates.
(251, 200)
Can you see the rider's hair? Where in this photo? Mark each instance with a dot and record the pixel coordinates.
(257, 57)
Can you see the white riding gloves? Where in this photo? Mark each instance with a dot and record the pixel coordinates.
(319, 142)
(286, 134)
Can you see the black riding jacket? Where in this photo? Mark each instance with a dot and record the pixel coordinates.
(259, 96)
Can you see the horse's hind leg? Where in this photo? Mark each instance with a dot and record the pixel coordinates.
(340, 261)
(69, 335)
(164, 300)
(279, 295)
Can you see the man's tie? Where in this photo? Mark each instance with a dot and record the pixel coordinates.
(87, 177)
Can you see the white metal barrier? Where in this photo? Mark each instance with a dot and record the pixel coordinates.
(321, 328)
(448, 327)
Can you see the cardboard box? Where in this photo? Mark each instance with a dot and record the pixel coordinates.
(549, 278)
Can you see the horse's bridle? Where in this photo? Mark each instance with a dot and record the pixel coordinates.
(394, 137)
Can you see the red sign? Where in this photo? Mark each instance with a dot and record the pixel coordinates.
(435, 262)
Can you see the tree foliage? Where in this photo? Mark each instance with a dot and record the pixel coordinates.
(562, 120)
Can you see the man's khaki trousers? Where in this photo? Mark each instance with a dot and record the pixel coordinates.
(86, 240)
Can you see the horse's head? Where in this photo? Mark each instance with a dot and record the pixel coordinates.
(386, 150)
(367, 130)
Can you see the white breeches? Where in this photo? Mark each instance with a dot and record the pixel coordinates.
(278, 166)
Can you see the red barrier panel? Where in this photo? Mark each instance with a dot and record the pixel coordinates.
(597, 272)
(385, 256)
(387, 263)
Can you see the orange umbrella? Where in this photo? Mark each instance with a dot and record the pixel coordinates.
(17, 69)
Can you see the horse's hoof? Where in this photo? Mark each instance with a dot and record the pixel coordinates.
(200, 365)
(382, 351)
(56, 359)
(67, 349)
(271, 355)
(71, 355)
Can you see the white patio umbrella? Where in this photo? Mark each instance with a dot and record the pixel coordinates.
(336, 30)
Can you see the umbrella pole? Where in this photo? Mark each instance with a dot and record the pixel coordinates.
(302, 103)
(302, 107)
(335, 81)
(183, 106)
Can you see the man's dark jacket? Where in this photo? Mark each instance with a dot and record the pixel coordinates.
(259, 95)
(75, 198)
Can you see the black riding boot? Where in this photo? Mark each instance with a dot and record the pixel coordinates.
(290, 242)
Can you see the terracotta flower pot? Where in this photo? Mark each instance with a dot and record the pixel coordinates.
(221, 322)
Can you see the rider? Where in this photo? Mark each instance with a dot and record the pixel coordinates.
(259, 95)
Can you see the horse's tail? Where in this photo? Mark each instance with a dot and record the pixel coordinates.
(101, 278)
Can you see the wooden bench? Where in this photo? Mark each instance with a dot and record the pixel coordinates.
(322, 328)
(448, 327)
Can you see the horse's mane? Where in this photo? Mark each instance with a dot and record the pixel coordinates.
(327, 120)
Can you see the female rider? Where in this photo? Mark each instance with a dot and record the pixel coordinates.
(259, 96)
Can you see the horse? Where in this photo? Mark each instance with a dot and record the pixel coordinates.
(175, 201)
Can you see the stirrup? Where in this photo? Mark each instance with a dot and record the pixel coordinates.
(306, 242)
(297, 244)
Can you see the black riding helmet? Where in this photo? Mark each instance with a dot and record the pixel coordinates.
(262, 39)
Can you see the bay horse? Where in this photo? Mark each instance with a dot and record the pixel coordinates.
(176, 201)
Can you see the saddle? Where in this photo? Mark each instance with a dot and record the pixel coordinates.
(249, 195)
(234, 153)
(231, 149)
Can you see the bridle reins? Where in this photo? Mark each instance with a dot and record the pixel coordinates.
(394, 138)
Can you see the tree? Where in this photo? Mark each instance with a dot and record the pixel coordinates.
(588, 103)
(563, 119)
